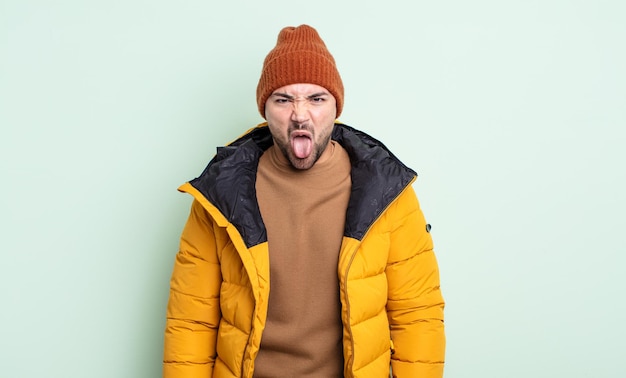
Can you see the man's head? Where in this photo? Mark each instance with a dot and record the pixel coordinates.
(300, 93)
(301, 119)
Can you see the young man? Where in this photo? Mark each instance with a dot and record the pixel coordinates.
(306, 253)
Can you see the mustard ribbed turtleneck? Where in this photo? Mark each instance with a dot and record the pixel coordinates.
(304, 214)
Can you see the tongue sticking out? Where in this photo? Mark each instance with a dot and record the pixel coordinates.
(302, 146)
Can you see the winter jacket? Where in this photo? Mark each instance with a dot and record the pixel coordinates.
(392, 308)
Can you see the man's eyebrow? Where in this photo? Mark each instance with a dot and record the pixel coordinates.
(285, 95)
(317, 94)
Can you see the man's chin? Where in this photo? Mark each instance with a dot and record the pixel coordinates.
(302, 164)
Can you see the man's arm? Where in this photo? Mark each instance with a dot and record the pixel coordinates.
(193, 310)
(415, 304)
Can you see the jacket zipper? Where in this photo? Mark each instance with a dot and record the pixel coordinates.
(348, 325)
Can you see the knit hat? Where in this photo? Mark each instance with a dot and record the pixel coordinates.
(300, 56)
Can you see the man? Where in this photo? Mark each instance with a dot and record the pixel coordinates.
(306, 253)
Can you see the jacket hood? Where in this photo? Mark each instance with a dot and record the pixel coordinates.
(228, 181)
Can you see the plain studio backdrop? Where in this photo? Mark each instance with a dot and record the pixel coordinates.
(512, 112)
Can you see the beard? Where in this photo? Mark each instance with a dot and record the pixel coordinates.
(318, 147)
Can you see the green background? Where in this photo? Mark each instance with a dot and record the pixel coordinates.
(512, 112)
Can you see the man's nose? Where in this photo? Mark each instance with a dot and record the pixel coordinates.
(300, 110)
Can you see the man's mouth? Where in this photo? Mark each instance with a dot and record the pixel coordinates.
(301, 144)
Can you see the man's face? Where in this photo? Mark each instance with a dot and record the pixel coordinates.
(301, 119)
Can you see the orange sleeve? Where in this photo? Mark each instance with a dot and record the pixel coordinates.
(193, 310)
(415, 303)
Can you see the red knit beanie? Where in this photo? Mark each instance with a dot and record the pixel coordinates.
(300, 56)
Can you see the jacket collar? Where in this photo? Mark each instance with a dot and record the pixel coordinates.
(228, 181)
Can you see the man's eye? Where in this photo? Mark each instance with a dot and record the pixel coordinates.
(318, 99)
(281, 101)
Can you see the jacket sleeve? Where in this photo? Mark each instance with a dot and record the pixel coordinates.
(193, 310)
(415, 304)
